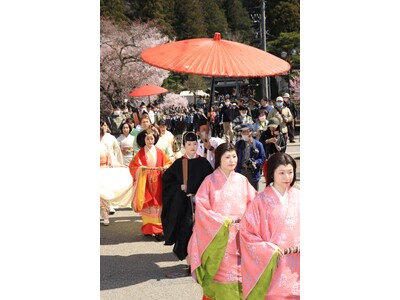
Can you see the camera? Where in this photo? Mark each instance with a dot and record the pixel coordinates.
(251, 164)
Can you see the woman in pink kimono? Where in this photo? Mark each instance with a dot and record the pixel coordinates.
(270, 235)
(221, 200)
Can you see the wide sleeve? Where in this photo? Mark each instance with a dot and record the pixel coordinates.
(117, 157)
(259, 256)
(167, 162)
(134, 165)
(172, 200)
(139, 182)
(210, 236)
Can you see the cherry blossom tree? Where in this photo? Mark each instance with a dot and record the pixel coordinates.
(171, 99)
(295, 83)
(121, 68)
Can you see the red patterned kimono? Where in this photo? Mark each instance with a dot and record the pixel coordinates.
(271, 222)
(147, 184)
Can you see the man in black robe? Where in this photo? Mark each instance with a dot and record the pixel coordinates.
(178, 206)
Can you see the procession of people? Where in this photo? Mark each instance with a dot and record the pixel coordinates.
(194, 177)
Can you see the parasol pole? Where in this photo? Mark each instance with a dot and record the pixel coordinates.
(212, 92)
(210, 104)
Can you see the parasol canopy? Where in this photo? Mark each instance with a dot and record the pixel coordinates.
(147, 90)
(215, 57)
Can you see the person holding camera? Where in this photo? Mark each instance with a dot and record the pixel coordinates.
(272, 139)
(251, 156)
(283, 114)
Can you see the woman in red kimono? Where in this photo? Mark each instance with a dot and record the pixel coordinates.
(270, 235)
(146, 169)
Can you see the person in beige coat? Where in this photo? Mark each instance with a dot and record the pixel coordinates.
(283, 114)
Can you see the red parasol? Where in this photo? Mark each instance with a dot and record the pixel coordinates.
(147, 90)
(215, 57)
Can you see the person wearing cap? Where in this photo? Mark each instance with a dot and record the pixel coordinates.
(293, 110)
(254, 106)
(242, 102)
(243, 118)
(272, 139)
(207, 143)
(178, 198)
(283, 114)
(251, 156)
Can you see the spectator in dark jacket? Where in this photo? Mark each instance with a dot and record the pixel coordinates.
(251, 156)
(228, 113)
(272, 139)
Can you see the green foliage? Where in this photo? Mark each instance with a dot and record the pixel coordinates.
(282, 16)
(113, 9)
(195, 82)
(158, 11)
(287, 41)
(174, 82)
(189, 22)
(214, 18)
(186, 19)
(238, 21)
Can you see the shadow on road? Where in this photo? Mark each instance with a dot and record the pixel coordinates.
(122, 230)
(121, 271)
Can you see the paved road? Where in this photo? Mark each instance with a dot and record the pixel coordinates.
(133, 266)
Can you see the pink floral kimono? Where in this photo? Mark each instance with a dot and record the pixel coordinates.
(214, 245)
(266, 226)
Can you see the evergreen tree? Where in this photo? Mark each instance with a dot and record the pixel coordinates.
(287, 42)
(238, 21)
(282, 16)
(174, 82)
(189, 22)
(158, 11)
(114, 9)
(214, 17)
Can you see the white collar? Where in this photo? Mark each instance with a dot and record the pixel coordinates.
(283, 198)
